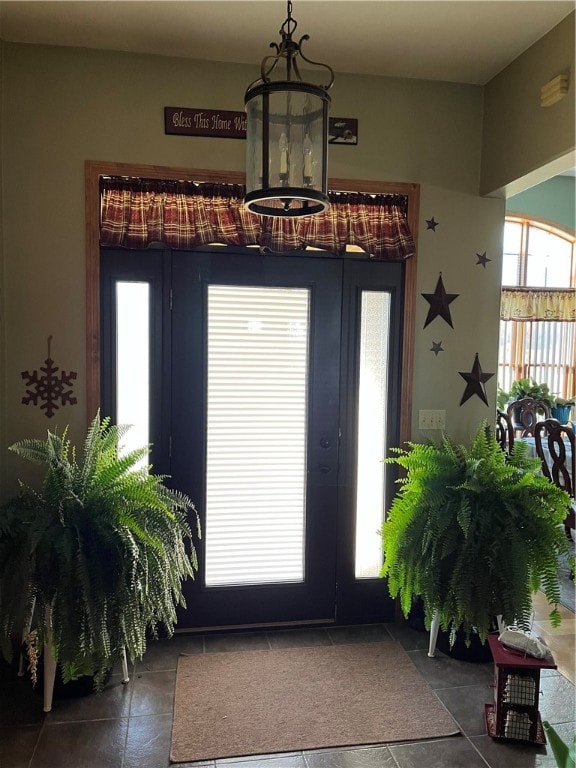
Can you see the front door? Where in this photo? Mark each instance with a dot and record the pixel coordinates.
(273, 395)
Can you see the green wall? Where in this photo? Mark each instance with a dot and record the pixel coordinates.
(520, 136)
(553, 200)
(63, 106)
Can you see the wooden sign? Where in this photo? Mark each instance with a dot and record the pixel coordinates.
(221, 123)
(225, 124)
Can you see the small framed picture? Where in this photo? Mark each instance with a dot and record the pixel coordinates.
(342, 130)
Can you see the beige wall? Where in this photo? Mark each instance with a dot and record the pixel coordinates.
(468, 226)
(520, 136)
(64, 106)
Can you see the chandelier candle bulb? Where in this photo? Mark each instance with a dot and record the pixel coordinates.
(307, 159)
(283, 144)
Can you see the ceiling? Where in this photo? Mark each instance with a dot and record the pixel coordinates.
(465, 41)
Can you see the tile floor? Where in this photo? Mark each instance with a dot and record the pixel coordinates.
(129, 726)
(561, 640)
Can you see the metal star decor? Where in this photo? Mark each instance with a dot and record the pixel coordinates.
(475, 381)
(482, 259)
(439, 303)
(436, 347)
(431, 224)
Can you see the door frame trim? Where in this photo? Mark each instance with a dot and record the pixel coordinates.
(95, 169)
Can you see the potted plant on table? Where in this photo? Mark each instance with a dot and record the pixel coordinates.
(523, 389)
(98, 554)
(528, 387)
(473, 533)
(561, 408)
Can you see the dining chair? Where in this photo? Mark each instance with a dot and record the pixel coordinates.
(556, 448)
(525, 413)
(504, 432)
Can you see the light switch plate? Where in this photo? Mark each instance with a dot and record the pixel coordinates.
(432, 419)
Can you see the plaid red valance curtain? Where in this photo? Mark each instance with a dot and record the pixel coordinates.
(136, 213)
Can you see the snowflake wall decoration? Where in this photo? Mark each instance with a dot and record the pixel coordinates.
(48, 386)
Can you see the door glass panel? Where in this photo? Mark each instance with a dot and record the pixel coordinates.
(132, 357)
(371, 437)
(257, 373)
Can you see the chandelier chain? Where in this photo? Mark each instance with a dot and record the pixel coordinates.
(289, 26)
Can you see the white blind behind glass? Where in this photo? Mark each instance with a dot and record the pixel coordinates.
(133, 363)
(256, 434)
(372, 448)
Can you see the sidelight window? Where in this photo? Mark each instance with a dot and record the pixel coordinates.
(372, 427)
(132, 361)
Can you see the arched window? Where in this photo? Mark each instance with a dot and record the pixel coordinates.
(538, 310)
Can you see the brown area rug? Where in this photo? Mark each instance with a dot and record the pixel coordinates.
(259, 702)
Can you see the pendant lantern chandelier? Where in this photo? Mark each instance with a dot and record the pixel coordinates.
(287, 134)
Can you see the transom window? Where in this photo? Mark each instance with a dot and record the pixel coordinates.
(538, 314)
(537, 256)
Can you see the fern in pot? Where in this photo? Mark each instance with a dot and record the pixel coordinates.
(98, 553)
(473, 533)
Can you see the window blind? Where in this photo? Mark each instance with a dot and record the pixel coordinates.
(257, 341)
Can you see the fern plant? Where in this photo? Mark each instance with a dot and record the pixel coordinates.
(473, 533)
(104, 544)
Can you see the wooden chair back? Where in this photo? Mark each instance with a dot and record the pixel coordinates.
(504, 432)
(556, 449)
(525, 413)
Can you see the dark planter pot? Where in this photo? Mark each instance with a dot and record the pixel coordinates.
(416, 616)
(477, 652)
(75, 689)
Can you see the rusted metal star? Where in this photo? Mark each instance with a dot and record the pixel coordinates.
(439, 303)
(436, 347)
(475, 381)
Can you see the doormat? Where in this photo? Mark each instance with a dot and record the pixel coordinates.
(261, 702)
